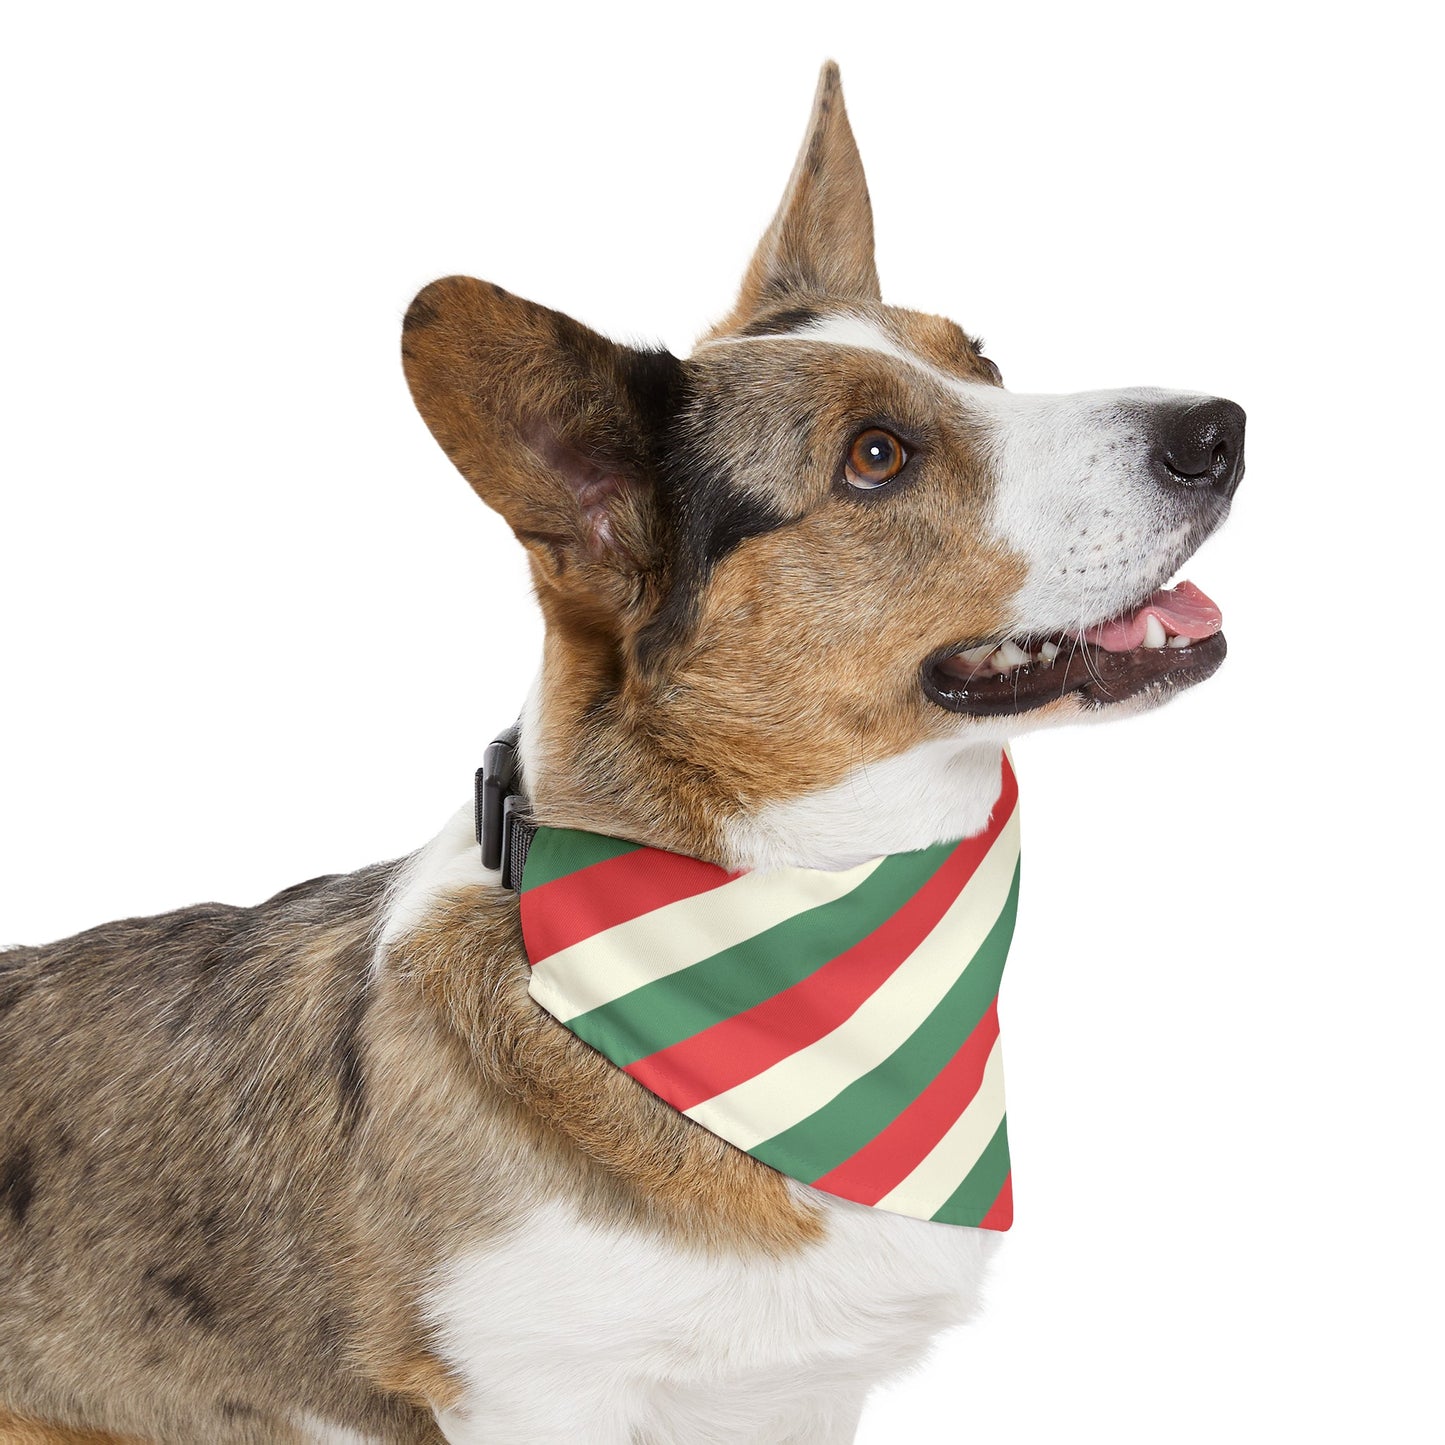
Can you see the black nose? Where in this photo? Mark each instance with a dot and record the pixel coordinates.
(1200, 444)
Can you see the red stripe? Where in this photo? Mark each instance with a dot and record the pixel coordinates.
(737, 1048)
(890, 1157)
(574, 907)
(1001, 1212)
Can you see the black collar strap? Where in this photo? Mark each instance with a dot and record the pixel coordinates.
(504, 831)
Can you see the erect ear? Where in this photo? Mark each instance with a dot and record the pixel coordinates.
(821, 240)
(555, 426)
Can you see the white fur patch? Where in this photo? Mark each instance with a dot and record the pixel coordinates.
(324, 1433)
(572, 1330)
(936, 791)
(1074, 495)
(450, 861)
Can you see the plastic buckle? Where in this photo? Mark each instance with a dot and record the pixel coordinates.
(496, 783)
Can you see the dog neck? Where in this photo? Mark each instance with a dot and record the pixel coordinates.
(588, 770)
(599, 771)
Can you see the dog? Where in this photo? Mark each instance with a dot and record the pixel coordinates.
(321, 1170)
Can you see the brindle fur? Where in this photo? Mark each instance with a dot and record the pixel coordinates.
(233, 1159)
(186, 1100)
(231, 1149)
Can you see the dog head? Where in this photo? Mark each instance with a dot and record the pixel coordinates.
(799, 585)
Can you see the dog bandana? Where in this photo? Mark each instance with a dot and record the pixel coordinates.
(841, 1027)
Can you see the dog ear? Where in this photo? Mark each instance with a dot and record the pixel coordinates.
(556, 427)
(821, 240)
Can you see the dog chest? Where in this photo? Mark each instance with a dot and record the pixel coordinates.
(543, 1325)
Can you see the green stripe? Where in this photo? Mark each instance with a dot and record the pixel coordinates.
(725, 984)
(556, 852)
(850, 1119)
(975, 1196)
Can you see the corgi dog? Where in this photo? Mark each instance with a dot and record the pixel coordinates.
(322, 1170)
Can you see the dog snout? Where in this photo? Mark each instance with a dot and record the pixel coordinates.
(1200, 445)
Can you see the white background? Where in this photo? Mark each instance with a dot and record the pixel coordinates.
(254, 628)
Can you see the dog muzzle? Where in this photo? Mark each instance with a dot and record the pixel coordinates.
(841, 1027)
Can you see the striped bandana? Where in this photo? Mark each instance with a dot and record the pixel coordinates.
(841, 1027)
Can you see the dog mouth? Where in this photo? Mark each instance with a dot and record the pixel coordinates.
(1169, 641)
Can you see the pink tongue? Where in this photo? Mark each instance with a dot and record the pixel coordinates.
(1184, 611)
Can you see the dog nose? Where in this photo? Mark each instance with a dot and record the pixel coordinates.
(1200, 444)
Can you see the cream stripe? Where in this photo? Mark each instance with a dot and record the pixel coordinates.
(804, 1082)
(927, 1189)
(653, 945)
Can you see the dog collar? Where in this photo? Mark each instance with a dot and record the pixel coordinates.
(841, 1027)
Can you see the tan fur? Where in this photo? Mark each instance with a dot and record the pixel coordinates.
(421, 1378)
(941, 343)
(14, 1431)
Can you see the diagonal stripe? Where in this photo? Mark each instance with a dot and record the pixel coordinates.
(737, 1048)
(975, 1199)
(1001, 1212)
(733, 980)
(562, 912)
(608, 965)
(556, 852)
(804, 1081)
(870, 1103)
(928, 1188)
(895, 1153)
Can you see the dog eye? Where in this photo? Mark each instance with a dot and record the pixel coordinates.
(875, 457)
(992, 368)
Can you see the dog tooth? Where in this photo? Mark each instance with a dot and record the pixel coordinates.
(976, 655)
(1049, 651)
(1180, 641)
(1154, 634)
(1013, 655)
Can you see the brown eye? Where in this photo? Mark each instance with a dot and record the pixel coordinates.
(875, 457)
